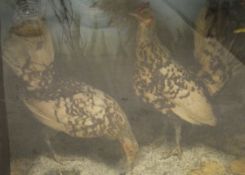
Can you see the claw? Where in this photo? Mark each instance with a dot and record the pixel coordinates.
(56, 159)
(173, 152)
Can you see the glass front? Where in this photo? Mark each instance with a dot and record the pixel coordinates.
(108, 87)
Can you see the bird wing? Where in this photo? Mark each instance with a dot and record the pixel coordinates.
(88, 113)
(44, 116)
(188, 99)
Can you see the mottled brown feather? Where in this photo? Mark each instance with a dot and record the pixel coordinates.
(162, 82)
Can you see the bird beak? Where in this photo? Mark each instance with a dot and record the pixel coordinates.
(240, 30)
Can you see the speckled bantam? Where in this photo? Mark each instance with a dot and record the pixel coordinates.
(69, 106)
(165, 84)
(216, 43)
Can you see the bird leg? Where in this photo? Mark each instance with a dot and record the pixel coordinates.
(177, 127)
(176, 151)
(130, 148)
(48, 137)
(48, 140)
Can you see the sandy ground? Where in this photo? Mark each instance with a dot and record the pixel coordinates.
(150, 162)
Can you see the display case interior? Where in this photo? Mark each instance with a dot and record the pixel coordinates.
(124, 86)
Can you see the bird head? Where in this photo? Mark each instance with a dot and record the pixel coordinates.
(28, 44)
(143, 14)
(29, 28)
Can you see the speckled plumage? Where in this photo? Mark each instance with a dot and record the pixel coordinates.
(162, 82)
(217, 62)
(65, 105)
(78, 110)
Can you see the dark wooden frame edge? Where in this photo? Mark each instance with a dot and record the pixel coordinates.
(4, 140)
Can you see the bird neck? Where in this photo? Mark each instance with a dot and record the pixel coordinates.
(145, 35)
(149, 51)
(35, 79)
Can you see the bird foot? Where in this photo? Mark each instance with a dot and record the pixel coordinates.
(56, 159)
(124, 166)
(173, 152)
